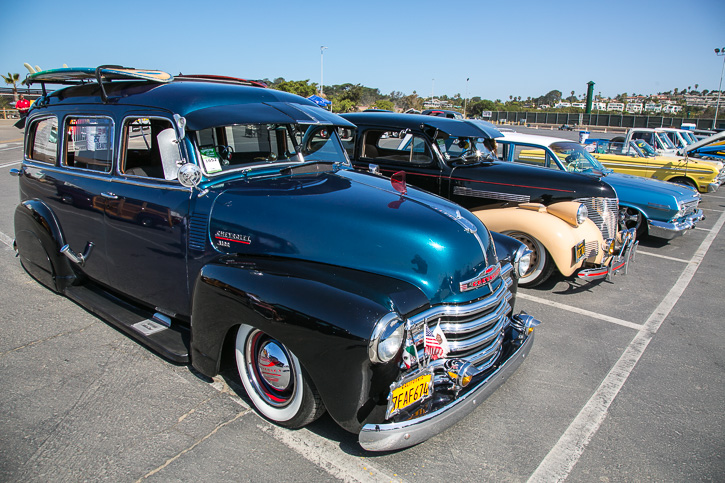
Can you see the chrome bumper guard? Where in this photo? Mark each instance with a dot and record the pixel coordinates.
(672, 230)
(616, 263)
(394, 436)
(712, 187)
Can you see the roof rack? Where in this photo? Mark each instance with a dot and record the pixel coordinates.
(221, 79)
(101, 74)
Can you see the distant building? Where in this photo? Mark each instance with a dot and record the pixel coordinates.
(615, 106)
(634, 107)
(579, 105)
(671, 109)
(652, 107)
(599, 106)
(559, 105)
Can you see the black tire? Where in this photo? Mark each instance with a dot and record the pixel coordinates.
(274, 380)
(542, 266)
(632, 218)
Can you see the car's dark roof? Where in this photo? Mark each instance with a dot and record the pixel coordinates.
(179, 96)
(204, 103)
(392, 120)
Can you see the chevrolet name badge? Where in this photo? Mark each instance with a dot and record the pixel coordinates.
(483, 278)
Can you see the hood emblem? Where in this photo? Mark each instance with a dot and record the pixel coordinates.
(483, 278)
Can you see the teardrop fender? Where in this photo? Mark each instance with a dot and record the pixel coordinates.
(558, 237)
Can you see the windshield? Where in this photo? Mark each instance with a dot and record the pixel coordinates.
(689, 137)
(457, 147)
(665, 141)
(575, 158)
(645, 147)
(242, 146)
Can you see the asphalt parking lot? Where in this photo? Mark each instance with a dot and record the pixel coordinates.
(625, 382)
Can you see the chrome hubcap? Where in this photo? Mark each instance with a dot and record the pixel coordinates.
(269, 369)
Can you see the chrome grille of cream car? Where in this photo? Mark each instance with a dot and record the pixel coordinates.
(604, 212)
(475, 330)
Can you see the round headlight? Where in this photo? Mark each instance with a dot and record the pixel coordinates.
(522, 261)
(387, 338)
(582, 214)
(524, 264)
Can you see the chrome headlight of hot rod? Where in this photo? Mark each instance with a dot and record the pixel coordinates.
(387, 338)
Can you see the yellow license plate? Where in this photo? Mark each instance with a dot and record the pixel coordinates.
(410, 392)
(579, 251)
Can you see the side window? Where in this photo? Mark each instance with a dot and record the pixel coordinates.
(391, 147)
(530, 155)
(150, 149)
(43, 144)
(89, 143)
(347, 136)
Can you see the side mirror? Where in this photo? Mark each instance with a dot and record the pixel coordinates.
(189, 175)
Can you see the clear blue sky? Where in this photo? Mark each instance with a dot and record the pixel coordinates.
(507, 48)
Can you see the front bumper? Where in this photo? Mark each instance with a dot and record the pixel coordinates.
(668, 231)
(393, 436)
(617, 263)
(712, 187)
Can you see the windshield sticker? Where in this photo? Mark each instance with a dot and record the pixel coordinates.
(210, 158)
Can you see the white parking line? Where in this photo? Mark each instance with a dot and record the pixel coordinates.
(6, 239)
(10, 164)
(710, 209)
(562, 458)
(584, 312)
(640, 252)
(715, 196)
(696, 228)
(318, 450)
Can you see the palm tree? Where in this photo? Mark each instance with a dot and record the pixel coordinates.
(12, 79)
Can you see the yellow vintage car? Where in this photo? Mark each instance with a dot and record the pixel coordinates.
(638, 158)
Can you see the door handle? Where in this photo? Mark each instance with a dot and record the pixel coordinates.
(110, 196)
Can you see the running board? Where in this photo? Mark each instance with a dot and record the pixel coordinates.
(155, 331)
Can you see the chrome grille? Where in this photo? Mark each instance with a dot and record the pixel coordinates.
(689, 207)
(591, 248)
(475, 330)
(604, 212)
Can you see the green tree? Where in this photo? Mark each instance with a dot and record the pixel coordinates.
(344, 105)
(12, 79)
(301, 88)
(384, 104)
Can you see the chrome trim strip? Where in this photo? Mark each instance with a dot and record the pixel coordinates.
(495, 195)
(393, 436)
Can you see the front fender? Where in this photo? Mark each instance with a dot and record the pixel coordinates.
(558, 237)
(324, 314)
(38, 239)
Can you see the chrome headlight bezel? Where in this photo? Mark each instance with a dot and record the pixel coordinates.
(582, 213)
(522, 261)
(387, 338)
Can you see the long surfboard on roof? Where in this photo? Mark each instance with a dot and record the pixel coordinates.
(75, 75)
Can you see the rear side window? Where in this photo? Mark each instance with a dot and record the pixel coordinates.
(397, 147)
(43, 145)
(89, 143)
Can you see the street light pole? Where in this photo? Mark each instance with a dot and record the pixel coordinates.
(322, 50)
(719, 53)
(465, 100)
